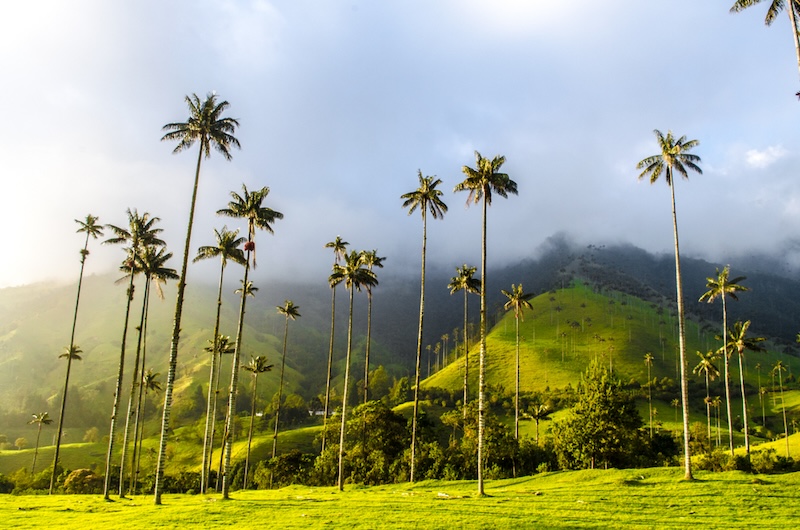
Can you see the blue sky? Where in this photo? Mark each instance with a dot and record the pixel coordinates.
(340, 103)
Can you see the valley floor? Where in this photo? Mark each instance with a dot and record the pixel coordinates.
(645, 498)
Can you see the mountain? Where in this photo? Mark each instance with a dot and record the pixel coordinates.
(35, 323)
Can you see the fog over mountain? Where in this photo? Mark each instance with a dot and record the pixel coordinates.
(341, 103)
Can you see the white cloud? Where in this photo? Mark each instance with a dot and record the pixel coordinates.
(762, 159)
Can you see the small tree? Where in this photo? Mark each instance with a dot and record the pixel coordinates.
(601, 428)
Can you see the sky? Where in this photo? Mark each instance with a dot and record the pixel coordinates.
(341, 103)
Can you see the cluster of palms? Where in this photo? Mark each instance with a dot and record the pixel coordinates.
(146, 254)
(481, 182)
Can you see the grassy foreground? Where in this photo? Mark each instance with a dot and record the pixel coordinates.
(647, 498)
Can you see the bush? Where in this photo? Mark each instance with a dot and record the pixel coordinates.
(83, 481)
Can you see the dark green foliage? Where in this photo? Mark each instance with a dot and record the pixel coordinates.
(83, 481)
(286, 469)
(6, 485)
(601, 429)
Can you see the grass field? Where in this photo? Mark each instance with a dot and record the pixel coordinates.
(648, 498)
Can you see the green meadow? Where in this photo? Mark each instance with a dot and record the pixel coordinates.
(646, 498)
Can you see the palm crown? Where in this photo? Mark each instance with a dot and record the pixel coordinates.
(674, 156)
(227, 247)
(485, 179)
(426, 197)
(204, 125)
(248, 206)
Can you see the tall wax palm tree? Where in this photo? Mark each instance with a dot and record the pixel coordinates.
(464, 280)
(247, 206)
(482, 181)
(539, 412)
(648, 361)
(150, 261)
(370, 259)
(778, 369)
(224, 346)
(247, 289)
(227, 248)
(722, 287)
(354, 275)
(792, 8)
(675, 157)
(93, 230)
(43, 418)
(339, 247)
(428, 199)
(518, 301)
(716, 402)
(290, 311)
(709, 370)
(140, 233)
(739, 341)
(256, 366)
(150, 383)
(206, 126)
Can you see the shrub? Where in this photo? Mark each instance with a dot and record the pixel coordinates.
(83, 481)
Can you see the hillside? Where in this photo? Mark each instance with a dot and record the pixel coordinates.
(623, 307)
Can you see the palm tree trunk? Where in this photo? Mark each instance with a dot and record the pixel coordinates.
(36, 451)
(369, 340)
(466, 355)
(250, 431)
(419, 351)
(793, 17)
(726, 375)
(231, 417)
(708, 412)
(344, 398)
(280, 390)
(117, 392)
(139, 413)
(211, 403)
(69, 366)
(482, 360)
(744, 404)
(132, 397)
(176, 337)
(681, 339)
(783, 406)
(330, 366)
(516, 395)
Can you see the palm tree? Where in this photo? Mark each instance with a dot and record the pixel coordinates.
(778, 369)
(464, 281)
(339, 247)
(539, 412)
(719, 287)
(481, 182)
(775, 7)
(355, 276)
(290, 311)
(427, 198)
(150, 260)
(209, 129)
(150, 383)
(246, 206)
(716, 402)
(518, 301)
(710, 371)
(224, 346)
(93, 230)
(140, 233)
(227, 248)
(739, 341)
(675, 156)
(648, 361)
(257, 365)
(43, 418)
(370, 259)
